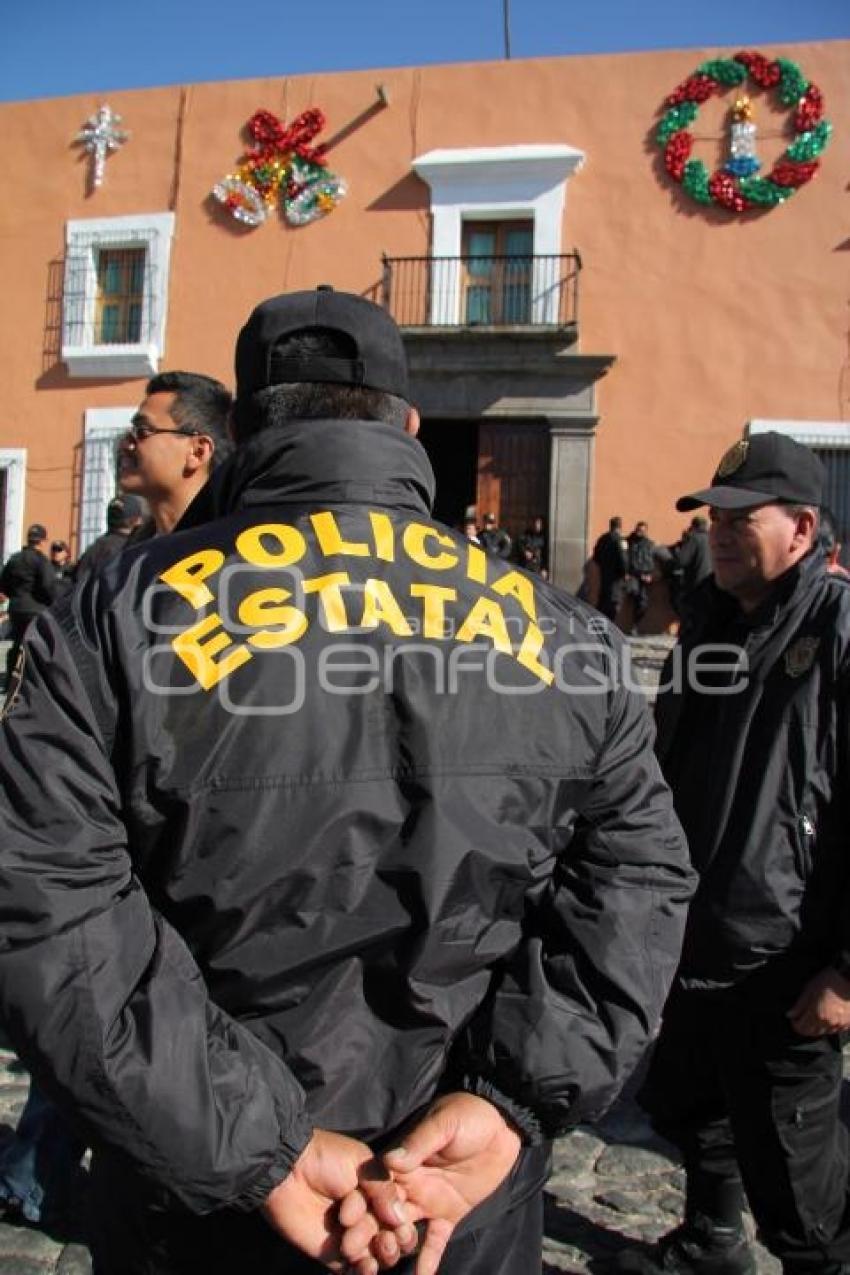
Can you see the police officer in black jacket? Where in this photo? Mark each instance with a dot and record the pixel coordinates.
(330, 843)
(753, 737)
(29, 582)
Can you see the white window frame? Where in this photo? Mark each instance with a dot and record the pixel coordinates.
(489, 183)
(84, 238)
(14, 461)
(102, 428)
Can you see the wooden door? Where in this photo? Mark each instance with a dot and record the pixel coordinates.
(513, 472)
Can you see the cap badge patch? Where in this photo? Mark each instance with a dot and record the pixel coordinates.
(733, 459)
(800, 657)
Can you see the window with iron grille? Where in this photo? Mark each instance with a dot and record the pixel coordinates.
(120, 295)
(114, 297)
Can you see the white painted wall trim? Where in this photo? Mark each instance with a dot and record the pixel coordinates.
(490, 182)
(103, 427)
(14, 461)
(83, 238)
(812, 433)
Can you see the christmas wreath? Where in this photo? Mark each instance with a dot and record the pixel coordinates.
(736, 186)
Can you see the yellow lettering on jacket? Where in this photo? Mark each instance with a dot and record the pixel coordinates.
(476, 565)
(384, 534)
(519, 587)
(434, 599)
(287, 545)
(486, 619)
(380, 607)
(198, 646)
(330, 538)
(329, 589)
(415, 535)
(530, 648)
(264, 607)
(187, 576)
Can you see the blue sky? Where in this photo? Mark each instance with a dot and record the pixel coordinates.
(49, 48)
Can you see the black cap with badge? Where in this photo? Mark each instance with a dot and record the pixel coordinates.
(379, 362)
(765, 468)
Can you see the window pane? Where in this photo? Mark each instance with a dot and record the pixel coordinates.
(478, 305)
(110, 275)
(137, 272)
(481, 246)
(134, 322)
(519, 243)
(109, 324)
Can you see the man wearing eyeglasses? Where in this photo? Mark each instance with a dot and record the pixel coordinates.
(175, 440)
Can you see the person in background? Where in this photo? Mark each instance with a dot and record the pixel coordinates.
(123, 515)
(830, 546)
(470, 530)
(29, 582)
(641, 552)
(531, 546)
(494, 538)
(611, 555)
(63, 568)
(747, 1069)
(691, 563)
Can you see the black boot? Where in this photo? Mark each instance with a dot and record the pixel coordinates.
(700, 1246)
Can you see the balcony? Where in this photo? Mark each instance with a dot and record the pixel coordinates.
(483, 291)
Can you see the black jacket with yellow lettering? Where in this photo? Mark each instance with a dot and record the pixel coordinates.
(313, 810)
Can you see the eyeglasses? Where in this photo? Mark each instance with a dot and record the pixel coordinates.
(140, 430)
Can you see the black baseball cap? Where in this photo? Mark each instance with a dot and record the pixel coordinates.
(763, 468)
(123, 509)
(379, 363)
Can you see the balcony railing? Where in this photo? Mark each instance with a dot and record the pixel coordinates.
(479, 291)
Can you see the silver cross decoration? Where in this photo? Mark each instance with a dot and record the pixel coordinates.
(100, 135)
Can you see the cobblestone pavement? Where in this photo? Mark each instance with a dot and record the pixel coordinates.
(610, 1183)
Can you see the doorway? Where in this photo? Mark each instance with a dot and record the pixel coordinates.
(452, 448)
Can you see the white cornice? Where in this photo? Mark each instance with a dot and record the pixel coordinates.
(550, 162)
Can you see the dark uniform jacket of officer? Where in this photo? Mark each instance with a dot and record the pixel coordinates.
(28, 581)
(257, 875)
(760, 777)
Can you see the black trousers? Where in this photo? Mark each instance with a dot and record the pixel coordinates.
(131, 1235)
(750, 1102)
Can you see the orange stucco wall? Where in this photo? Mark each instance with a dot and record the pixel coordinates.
(714, 319)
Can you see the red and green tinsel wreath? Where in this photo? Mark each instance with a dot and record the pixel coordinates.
(796, 166)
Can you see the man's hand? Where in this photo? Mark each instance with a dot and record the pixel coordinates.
(453, 1159)
(303, 1208)
(823, 1006)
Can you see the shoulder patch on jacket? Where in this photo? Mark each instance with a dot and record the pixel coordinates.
(800, 657)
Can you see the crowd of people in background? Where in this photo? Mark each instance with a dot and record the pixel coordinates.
(530, 550)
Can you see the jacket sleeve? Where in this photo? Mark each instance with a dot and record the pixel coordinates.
(574, 1007)
(101, 997)
(45, 585)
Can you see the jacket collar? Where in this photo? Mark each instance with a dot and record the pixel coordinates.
(713, 606)
(307, 462)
